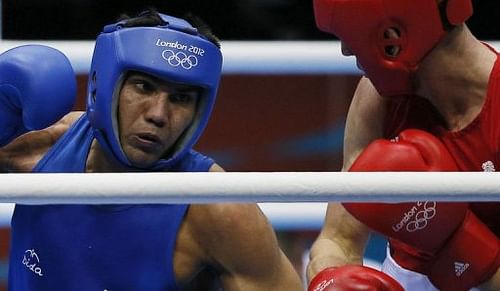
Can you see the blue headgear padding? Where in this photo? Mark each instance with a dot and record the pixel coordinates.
(175, 52)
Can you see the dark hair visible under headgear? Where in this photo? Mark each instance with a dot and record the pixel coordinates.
(151, 17)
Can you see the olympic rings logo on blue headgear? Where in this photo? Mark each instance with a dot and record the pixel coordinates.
(180, 58)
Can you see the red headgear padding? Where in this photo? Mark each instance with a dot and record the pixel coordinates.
(361, 24)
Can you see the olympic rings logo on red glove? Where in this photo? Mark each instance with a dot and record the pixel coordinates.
(416, 218)
(422, 217)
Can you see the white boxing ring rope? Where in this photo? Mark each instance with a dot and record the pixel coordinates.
(240, 57)
(280, 188)
(116, 188)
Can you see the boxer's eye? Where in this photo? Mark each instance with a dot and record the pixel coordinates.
(144, 86)
(182, 97)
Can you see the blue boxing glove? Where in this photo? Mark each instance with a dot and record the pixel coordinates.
(37, 88)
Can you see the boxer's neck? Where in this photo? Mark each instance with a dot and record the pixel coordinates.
(454, 77)
(98, 161)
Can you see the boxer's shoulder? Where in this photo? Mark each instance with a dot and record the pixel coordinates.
(364, 121)
(227, 231)
(225, 219)
(61, 126)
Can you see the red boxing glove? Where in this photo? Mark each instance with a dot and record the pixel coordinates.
(470, 257)
(425, 224)
(351, 278)
(448, 231)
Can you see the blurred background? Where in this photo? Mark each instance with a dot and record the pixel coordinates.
(231, 20)
(261, 122)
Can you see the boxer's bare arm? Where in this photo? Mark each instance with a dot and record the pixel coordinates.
(243, 249)
(342, 239)
(364, 121)
(24, 152)
(237, 242)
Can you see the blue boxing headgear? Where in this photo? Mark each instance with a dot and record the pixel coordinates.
(175, 52)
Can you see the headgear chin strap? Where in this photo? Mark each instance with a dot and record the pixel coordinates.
(362, 26)
(175, 52)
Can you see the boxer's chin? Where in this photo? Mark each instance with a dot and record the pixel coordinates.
(140, 157)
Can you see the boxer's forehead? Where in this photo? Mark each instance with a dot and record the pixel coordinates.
(161, 81)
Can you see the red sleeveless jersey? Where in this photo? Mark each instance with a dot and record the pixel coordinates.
(475, 148)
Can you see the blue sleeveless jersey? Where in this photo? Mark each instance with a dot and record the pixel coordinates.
(94, 247)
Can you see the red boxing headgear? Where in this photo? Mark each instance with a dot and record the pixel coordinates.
(361, 25)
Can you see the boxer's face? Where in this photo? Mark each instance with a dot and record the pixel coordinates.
(152, 114)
